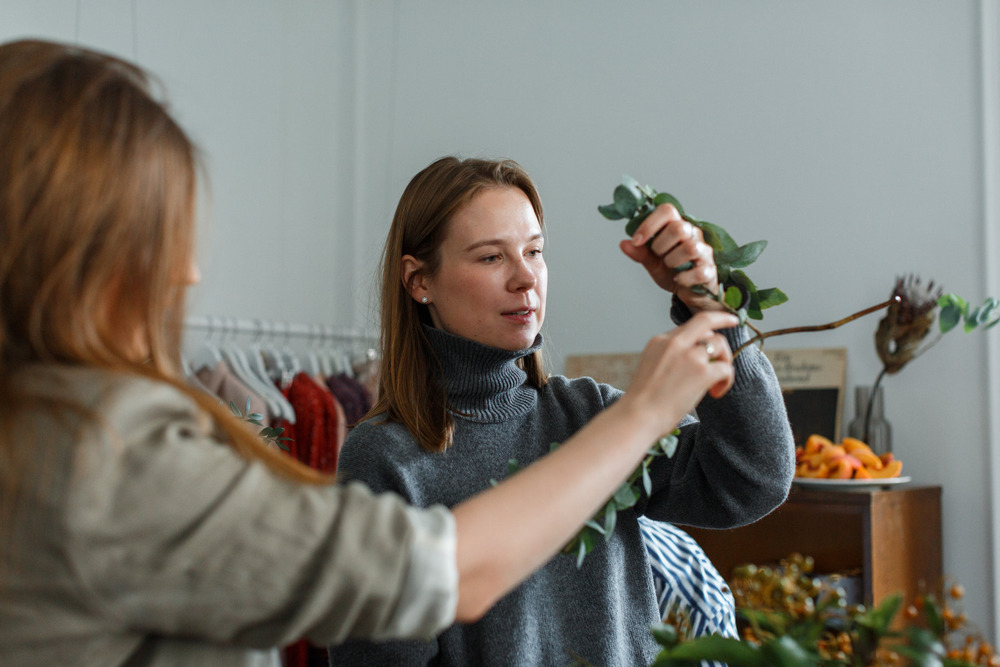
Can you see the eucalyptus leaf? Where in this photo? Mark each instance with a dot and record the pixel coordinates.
(668, 444)
(717, 237)
(771, 296)
(610, 519)
(610, 211)
(743, 280)
(667, 198)
(971, 320)
(581, 553)
(647, 483)
(949, 317)
(988, 307)
(633, 186)
(626, 496)
(626, 201)
(953, 300)
(743, 256)
(734, 297)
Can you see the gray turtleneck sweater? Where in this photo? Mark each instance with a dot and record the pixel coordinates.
(730, 469)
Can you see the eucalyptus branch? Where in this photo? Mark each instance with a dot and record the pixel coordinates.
(634, 203)
(272, 435)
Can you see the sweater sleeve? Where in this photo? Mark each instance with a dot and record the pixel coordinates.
(735, 464)
(173, 533)
(377, 455)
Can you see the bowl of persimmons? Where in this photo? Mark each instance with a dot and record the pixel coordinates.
(850, 459)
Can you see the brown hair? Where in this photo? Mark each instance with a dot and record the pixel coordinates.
(411, 390)
(97, 208)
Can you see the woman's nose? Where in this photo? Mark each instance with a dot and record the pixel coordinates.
(523, 277)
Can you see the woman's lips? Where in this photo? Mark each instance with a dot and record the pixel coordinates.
(523, 315)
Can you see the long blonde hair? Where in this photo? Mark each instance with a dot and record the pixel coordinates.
(410, 389)
(97, 208)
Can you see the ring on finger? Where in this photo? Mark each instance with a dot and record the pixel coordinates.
(709, 348)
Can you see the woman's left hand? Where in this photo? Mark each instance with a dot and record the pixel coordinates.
(675, 243)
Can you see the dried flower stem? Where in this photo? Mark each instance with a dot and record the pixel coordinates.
(818, 327)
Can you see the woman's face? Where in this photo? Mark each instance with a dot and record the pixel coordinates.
(491, 281)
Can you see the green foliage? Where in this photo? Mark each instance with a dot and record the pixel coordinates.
(634, 202)
(955, 309)
(270, 434)
(791, 619)
(602, 525)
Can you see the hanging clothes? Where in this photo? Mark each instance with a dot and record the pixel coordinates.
(352, 395)
(222, 382)
(320, 426)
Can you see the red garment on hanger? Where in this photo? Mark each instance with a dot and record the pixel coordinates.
(319, 427)
(317, 435)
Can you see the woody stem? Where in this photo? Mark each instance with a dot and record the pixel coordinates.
(818, 327)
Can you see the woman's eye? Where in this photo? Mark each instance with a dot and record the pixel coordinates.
(537, 252)
(489, 259)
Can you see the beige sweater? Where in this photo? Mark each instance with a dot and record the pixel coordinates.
(143, 540)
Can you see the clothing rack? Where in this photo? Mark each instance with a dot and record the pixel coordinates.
(276, 329)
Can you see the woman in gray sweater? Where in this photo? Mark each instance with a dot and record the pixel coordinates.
(462, 391)
(142, 524)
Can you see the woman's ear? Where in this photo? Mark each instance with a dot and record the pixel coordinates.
(414, 279)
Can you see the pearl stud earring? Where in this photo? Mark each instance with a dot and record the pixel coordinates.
(424, 300)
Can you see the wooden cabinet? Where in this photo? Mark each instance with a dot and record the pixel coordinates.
(890, 535)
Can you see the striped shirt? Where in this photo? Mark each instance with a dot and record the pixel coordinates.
(685, 580)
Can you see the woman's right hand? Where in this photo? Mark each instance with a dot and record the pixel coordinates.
(679, 367)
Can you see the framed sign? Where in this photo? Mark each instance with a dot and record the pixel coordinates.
(813, 383)
(613, 369)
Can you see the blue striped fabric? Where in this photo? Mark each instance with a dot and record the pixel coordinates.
(685, 579)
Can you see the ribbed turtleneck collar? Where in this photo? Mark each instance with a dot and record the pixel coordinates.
(484, 383)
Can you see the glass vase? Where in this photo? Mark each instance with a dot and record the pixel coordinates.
(879, 436)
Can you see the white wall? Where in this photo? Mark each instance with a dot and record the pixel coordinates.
(848, 134)
(264, 88)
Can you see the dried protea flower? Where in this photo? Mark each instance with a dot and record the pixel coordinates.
(907, 322)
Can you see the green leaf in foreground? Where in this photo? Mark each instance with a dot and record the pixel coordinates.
(733, 652)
